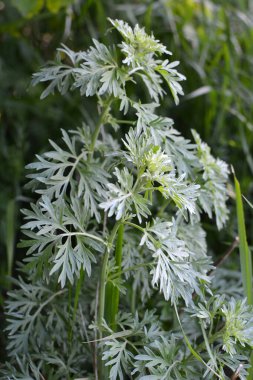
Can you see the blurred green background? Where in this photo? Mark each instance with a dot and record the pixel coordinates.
(213, 40)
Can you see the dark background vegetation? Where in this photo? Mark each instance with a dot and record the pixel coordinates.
(213, 40)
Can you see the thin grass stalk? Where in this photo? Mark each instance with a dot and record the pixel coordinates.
(245, 255)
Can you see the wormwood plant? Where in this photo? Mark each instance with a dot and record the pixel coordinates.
(117, 283)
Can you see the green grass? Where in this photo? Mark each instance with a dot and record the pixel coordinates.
(245, 255)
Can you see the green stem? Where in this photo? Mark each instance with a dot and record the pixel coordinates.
(133, 300)
(102, 287)
(207, 343)
(112, 292)
(128, 122)
(98, 126)
(135, 226)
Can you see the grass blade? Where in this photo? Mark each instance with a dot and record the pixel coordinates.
(245, 255)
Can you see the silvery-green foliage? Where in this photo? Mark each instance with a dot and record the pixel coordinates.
(197, 245)
(208, 310)
(174, 271)
(24, 370)
(26, 311)
(141, 51)
(225, 362)
(163, 359)
(98, 71)
(160, 128)
(151, 123)
(182, 152)
(124, 195)
(213, 195)
(52, 242)
(24, 315)
(234, 318)
(116, 356)
(162, 354)
(39, 322)
(155, 183)
(229, 282)
(62, 171)
(238, 325)
(134, 257)
(118, 353)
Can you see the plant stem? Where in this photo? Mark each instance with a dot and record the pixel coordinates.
(135, 226)
(133, 299)
(129, 122)
(102, 286)
(101, 306)
(98, 126)
(112, 292)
